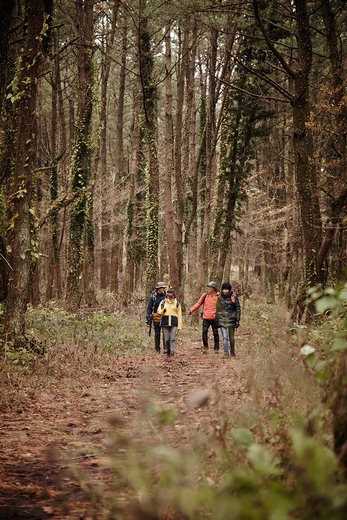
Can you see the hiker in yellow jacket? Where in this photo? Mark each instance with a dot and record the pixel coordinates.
(171, 320)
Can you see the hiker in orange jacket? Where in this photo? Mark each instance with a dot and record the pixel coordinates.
(209, 301)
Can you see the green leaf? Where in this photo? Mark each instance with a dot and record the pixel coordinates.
(307, 350)
(320, 365)
(343, 294)
(323, 304)
(263, 462)
(317, 461)
(242, 436)
(339, 344)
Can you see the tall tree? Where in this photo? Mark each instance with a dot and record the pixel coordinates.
(117, 247)
(81, 160)
(172, 259)
(107, 42)
(20, 241)
(210, 147)
(149, 99)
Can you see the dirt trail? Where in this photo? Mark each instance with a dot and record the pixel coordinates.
(34, 485)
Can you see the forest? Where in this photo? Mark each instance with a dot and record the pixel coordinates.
(184, 141)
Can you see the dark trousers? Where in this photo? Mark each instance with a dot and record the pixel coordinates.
(157, 332)
(206, 324)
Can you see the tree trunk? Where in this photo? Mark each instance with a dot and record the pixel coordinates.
(177, 224)
(149, 95)
(336, 159)
(54, 246)
(134, 246)
(173, 259)
(81, 160)
(117, 235)
(6, 9)
(203, 273)
(19, 185)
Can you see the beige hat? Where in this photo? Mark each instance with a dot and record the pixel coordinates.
(160, 284)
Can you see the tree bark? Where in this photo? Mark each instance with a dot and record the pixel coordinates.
(105, 180)
(117, 235)
(22, 251)
(173, 249)
(203, 273)
(81, 160)
(149, 97)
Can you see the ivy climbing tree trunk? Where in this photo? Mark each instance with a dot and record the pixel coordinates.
(54, 268)
(81, 159)
(149, 97)
(20, 242)
(6, 9)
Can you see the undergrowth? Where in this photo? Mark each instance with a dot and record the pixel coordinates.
(72, 347)
(269, 459)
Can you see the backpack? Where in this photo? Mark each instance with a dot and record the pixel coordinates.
(203, 301)
(162, 305)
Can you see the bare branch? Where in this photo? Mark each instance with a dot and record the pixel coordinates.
(265, 78)
(270, 44)
(62, 202)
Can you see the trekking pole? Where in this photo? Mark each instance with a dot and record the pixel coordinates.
(150, 327)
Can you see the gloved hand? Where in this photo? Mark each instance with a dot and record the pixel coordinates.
(189, 312)
(237, 324)
(148, 322)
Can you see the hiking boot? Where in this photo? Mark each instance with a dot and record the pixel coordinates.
(205, 350)
(232, 353)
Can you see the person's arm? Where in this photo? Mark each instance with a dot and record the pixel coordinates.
(179, 316)
(198, 304)
(149, 309)
(238, 310)
(161, 308)
(220, 312)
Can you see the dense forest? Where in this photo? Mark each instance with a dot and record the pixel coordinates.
(179, 140)
(192, 139)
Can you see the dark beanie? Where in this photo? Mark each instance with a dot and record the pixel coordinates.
(226, 285)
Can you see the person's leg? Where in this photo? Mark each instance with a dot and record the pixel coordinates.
(173, 333)
(231, 333)
(225, 340)
(157, 336)
(166, 336)
(214, 324)
(205, 326)
(163, 342)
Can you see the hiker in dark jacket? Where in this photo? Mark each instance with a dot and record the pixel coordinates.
(228, 316)
(156, 297)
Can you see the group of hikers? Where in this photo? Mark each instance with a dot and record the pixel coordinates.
(220, 310)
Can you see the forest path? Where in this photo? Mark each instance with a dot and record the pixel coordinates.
(70, 421)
